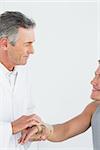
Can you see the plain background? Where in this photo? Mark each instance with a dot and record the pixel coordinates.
(64, 62)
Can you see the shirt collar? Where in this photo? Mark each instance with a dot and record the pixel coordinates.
(6, 72)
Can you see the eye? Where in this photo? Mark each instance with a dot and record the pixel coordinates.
(26, 45)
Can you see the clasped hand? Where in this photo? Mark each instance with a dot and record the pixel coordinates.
(35, 133)
(31, 127)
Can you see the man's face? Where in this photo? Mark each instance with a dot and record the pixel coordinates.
(18, 54)
(96, 85)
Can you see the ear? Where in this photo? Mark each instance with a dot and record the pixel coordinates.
(3, 43)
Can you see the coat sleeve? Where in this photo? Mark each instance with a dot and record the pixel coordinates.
(5, 134)
(31, 108)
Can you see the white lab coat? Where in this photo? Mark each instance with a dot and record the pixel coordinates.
(13, 104)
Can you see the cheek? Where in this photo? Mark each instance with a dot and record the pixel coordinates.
(11, 53)
(99, 85)
(16, 52)
(21, 51)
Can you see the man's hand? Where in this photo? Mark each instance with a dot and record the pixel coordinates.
(27, 134)
(36, 133)
(25, 122)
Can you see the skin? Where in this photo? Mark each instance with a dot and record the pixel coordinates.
(10, 56)
(76, 125)
(25, 122)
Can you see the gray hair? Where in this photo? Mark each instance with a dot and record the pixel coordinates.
(10, 22)
(99, 61)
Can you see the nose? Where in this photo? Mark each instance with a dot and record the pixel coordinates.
(31, 51)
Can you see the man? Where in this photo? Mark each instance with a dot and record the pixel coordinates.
(16, 106)
(89, 117)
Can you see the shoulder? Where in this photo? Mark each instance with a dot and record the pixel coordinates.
(90, 108)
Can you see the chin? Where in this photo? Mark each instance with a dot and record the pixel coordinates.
(96, 98)
(23, 63)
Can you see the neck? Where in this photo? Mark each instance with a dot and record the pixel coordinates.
(5, 61)
(8, 66)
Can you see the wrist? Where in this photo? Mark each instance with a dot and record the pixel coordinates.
(50, 129)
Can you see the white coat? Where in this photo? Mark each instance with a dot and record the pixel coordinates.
(13, 104)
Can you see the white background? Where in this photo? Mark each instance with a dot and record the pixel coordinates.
(64, 62)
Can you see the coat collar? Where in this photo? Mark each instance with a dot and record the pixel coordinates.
(5, 75)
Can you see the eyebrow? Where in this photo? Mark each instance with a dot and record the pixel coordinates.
(28, 42)
(99, 61)
(97, 73)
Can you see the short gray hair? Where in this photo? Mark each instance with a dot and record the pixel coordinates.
(10, 22)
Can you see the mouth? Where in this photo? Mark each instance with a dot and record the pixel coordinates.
(95, 89)
(26, 56)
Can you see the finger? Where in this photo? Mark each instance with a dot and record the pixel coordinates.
(21, 140)
(26, 139)
(35, 137)
(45, 133)
(39, 127)
(35, 118)
(32, 123)
(23, 134)
(32, 131)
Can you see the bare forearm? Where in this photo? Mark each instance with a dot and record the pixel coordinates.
(70, 128)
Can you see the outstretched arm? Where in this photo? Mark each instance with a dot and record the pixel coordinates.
(63, 131)
(73, 127)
